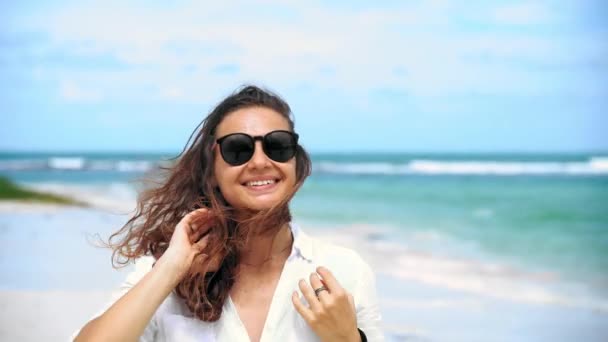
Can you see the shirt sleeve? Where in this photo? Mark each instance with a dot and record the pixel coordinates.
(142, 267)
(366, 304)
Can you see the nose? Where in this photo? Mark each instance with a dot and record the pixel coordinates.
(259, 160)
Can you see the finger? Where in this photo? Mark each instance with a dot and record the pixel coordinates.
(200, 259)
(201, 244)
(197, 233)
(330, 281)
(200, 217)
(316, 283)
(199, 263)
(196, 212)
(186, 222)
(193, 215)
(351, 300)
(305, 312)
(195, 236)
(199, 225)
(309, 294)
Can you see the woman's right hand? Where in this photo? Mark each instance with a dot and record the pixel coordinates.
(127, 318)
(189, 240)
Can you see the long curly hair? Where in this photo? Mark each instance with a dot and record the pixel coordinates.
(187, 185)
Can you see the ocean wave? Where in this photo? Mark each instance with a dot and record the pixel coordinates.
(599, 163)
(75, 164)
(66, 163)
(594, 166)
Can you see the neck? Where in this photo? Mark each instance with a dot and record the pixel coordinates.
(264, 249)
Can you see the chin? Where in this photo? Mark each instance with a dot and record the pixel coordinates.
(259, 204)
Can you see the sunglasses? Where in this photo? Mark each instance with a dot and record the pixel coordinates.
(238, 148)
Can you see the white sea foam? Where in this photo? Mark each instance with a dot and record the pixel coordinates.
(499, 168)
(477, 276)
(599, 163)
(63, 163)
(133, 166)
(78, 164)
(362, 168)
(594, 166)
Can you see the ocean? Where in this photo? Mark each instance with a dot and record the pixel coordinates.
(501, 218)
(546, 211)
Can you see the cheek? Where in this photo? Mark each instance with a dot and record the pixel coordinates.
(291, 172)
(224, 176)
(229, 188)
(227, 178)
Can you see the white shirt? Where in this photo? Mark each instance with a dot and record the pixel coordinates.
(173, 321)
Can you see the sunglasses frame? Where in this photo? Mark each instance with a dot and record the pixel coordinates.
(255, 138)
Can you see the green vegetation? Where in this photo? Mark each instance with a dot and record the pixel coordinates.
(10, 191)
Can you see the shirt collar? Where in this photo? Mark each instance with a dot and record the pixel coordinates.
(302, 245)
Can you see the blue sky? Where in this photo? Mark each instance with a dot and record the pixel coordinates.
(412, 76)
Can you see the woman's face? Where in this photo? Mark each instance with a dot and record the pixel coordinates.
(261, 182)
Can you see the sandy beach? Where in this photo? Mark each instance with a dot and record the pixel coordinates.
(51, 315)
(54, 279)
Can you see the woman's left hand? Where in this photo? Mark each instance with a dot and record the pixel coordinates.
(331, 314)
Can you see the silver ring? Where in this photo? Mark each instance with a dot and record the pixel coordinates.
(319, 290)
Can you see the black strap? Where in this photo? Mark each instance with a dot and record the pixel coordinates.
(362, 334)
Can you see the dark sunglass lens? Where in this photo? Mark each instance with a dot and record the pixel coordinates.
(280, 146)
(237, 149)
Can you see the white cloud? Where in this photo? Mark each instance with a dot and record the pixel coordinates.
(363, 48)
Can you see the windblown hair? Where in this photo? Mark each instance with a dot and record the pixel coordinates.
(187, 185)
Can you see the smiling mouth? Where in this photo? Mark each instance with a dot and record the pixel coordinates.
(261, 183)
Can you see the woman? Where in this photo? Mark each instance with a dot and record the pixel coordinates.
(218, 258)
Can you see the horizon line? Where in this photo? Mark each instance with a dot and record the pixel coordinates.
(326, 152)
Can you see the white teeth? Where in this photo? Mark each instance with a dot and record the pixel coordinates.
(260, 183)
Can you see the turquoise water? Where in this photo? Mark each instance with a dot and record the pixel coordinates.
(543, 212)
(552, 222)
